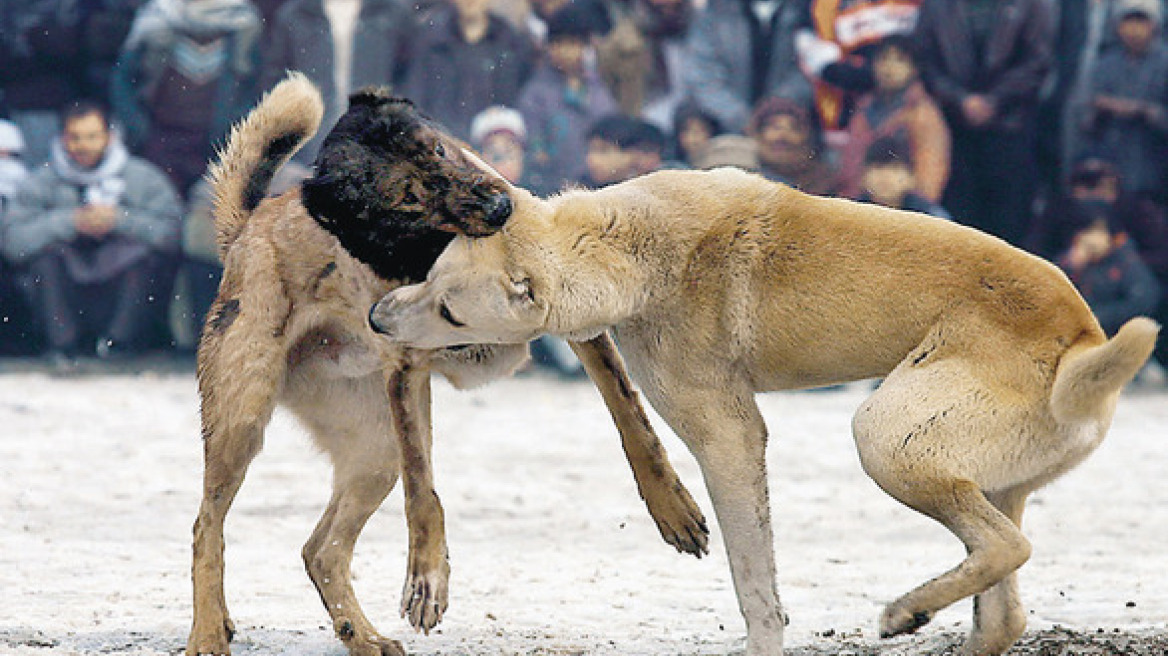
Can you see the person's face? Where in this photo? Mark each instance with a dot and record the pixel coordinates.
(608, 163)
(782, 140)
(888, 184)
(85, 139)
(693, 135)
(566, 54)
(893, 69)
(468, 9)
(1136, 31)
(1102, 188)
(505, 154)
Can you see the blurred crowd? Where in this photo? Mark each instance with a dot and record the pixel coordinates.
(1042, 122)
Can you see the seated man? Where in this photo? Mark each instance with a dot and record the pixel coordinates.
(97, 231)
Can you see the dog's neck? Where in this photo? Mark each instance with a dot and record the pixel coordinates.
(406, 259)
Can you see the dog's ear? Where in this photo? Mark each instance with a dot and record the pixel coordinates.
(370, 95)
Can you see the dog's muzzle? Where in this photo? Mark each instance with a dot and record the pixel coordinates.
(497, 209)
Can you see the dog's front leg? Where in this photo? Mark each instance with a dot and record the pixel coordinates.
(678, 517)
(424, 597)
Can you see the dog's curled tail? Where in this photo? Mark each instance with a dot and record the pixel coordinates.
(1087, 378)
(285, 118)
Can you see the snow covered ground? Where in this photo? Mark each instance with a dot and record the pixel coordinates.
(551, 549)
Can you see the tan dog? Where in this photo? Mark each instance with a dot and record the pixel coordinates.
(718, 285)
(290, 326)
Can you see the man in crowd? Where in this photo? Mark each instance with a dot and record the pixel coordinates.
(97, 231)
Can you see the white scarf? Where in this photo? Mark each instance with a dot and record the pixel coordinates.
(105, 183)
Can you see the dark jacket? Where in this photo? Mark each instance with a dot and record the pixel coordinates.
(300, 40)
(1118, 287)
(452, 80)
(40, 63)
(718, 74)
(1010, 72)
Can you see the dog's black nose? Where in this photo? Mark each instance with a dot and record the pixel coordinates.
(373, 324)
(498, 210)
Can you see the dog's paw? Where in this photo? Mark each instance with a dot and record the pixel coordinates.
(679, 520)
(367, 642)
(896, 620)
(211, 642)
(425, 597)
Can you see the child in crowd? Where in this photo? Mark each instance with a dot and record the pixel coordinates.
(692, 130)
(1128, 116)
(609, 158)
(562, 99)
(647, 145)
(1109, 273)
(898, 107)
(888, 179)
(790, 146)
(499, 135)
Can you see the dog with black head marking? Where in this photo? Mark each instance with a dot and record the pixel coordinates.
(289, 327)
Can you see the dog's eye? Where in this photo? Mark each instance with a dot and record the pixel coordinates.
(440, 150)
(409, 198)
(522, 289)
(444, 312)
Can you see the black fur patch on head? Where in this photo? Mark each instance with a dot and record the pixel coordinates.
(394, 188)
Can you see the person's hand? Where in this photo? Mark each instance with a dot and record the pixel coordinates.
(978, 110)
(95, 220)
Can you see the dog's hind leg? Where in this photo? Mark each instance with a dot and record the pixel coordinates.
(678, 517)
(425, 593)
(354, 429)
(238, 398)
(998, 616)
(927, 438)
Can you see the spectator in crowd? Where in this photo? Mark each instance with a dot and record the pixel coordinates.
(1108, 272)
(534, 22)
(464, 60)
(835, 45)
(1127, 118)
(13, 171)
(647, 145)
(104, 26)
(342, 46)
(790, 146)
(40, 68)
(898, 107)
(985, 62)
(889, 179)
(499, 134)
(97, 229)
(609, 158)
(693, 128)
(1095, 191)
(562, 99)
(642, 57)
(741, 51)
(1081, 33)
(188, 71)
(16, 335)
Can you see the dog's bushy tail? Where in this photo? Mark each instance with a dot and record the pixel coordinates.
(1087, 378)
(285, 118)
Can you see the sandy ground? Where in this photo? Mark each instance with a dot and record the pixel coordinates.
(552, 551)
